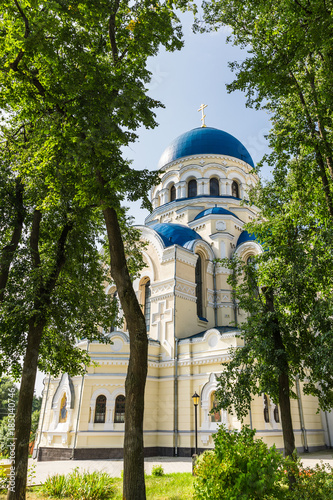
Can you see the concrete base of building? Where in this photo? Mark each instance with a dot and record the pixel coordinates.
(54, 454)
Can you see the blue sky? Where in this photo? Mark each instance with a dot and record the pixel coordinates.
(184, 80)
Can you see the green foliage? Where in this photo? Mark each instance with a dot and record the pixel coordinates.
(8, 390)
(157, 471)
(313, 484)
(6, 436)
(80, 486)
(34, 425)
(240, 467)
(4, 480)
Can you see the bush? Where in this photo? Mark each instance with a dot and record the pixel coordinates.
(157, 471)
(312, 484)
(80, 486)
(239, 468)
(4, 480)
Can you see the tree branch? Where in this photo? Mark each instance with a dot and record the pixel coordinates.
(112, 32)
(60, 258)
(15, 64)
(34, 238)
(318, 155)
(9, 250)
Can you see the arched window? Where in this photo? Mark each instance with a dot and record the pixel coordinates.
(266, 409)
(234, 189)
(192, 188)
(216, 416)
(100, 409)
(119, 411)
(172, 193)
(276, 414)
(214, 188)
(199, 288)
(63, 409)
(146, 310)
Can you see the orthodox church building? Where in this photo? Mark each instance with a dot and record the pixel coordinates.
(198, 217)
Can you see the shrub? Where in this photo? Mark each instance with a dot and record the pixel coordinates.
(239, 467)
(80, 486)
(313, 484)
(4, 480)
(157, 471)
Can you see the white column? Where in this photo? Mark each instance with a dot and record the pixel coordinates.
(200, 186)
(164, 195)
(206, 187)
(222, 187)
(228, 188)
(181, 186)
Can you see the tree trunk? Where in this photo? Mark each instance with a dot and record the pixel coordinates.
(23, 411)
(35, 332)
(134, 480)
(286, 421)
(284, 389)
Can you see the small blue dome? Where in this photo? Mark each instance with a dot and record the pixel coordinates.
(245, 236)
(205, 140)
(175, 234)
(214, 211)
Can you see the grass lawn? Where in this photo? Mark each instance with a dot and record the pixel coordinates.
(176, 486)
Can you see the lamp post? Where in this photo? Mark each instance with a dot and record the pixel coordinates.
(196, 399)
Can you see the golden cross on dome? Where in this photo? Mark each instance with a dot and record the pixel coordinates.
(202, 107)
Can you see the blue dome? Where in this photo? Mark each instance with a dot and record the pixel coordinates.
(175, 234)
(214, 211)
(205, 140)
(245, 236)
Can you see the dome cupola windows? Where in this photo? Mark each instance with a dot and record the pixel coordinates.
(214, 188)
(192, 188)
(173, 193)
(235, 189)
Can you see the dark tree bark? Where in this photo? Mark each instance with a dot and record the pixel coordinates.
(284, 384)
(35, 332)
(8, 251)
(23, 411)
(134, 481)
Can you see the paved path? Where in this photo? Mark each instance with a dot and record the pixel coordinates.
(114, 467)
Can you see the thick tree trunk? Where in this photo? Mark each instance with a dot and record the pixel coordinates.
(284, 384)
(23, 411)
(35, 332)
(286, 421)
(134, 481)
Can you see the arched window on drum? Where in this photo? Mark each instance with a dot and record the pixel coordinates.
(192, 188)
(173, 193)
(234, 189)
(214, 187)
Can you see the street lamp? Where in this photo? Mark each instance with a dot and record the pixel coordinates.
(196, 399)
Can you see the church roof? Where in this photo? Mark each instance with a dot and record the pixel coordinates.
(245, 236)
(175, 234)
(205, 140)
(214, 211)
